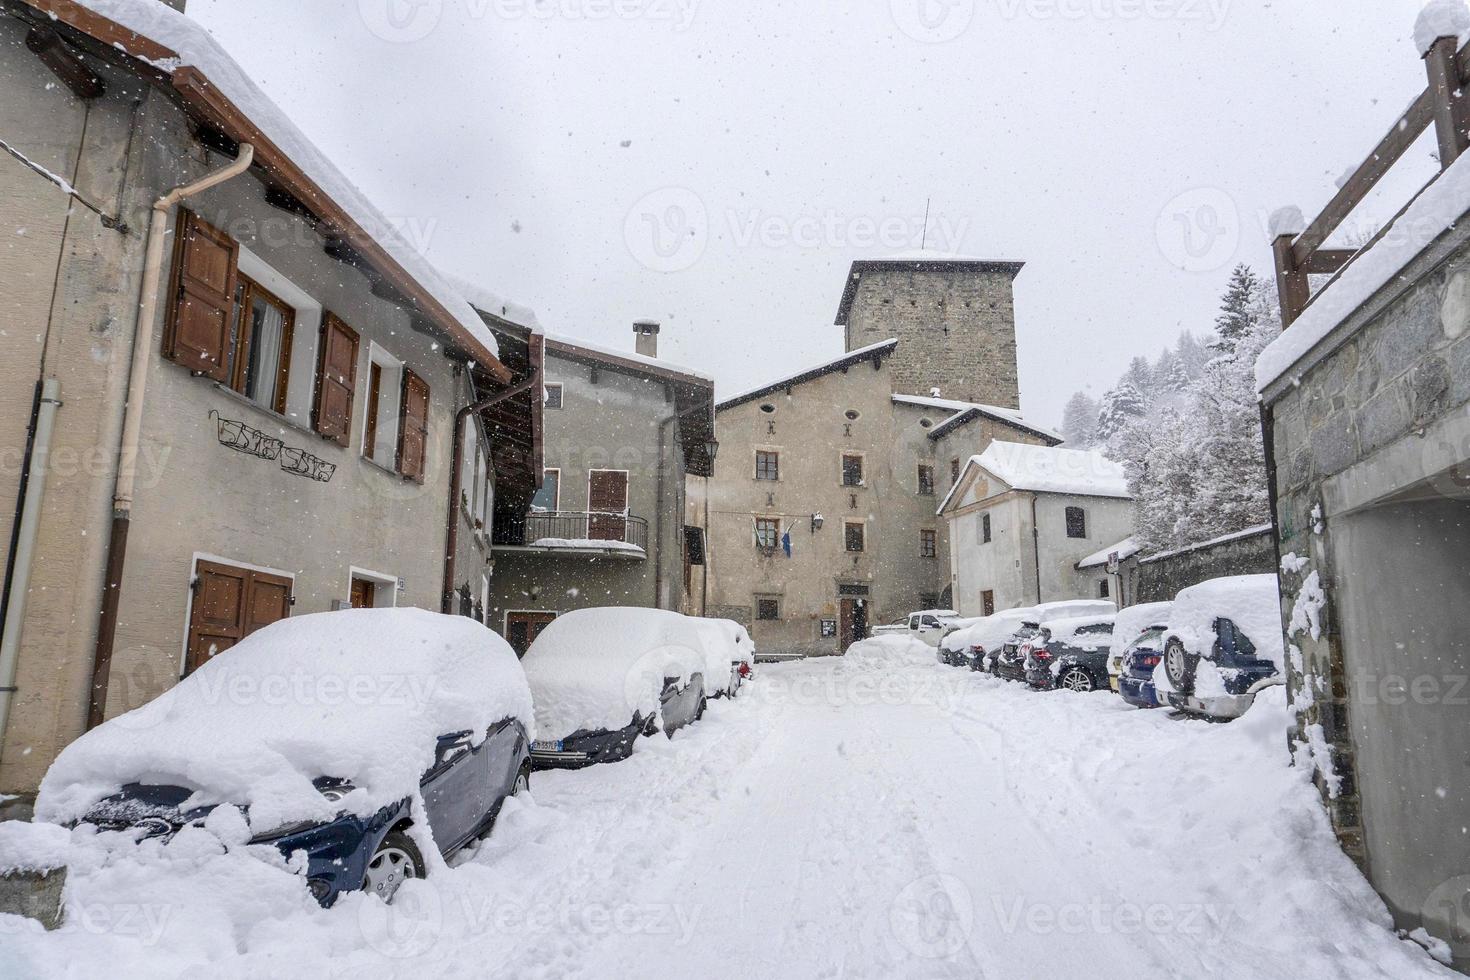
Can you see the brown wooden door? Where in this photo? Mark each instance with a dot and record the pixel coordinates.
(363, 593)
(607, 499)
(201, 310)
(845, 624)
(987, 603)
(230, 603)
(522, 628)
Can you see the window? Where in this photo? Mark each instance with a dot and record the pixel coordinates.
(548, 498)
(927, 544)
(954, 471)
(767, 609)
(853, 533)
(229, 604)
(767, 465)
(553, 395)
(1102, 589)
(768, 408)
(767, 533)
(987, 602)
(852, 470)
(852, 414)
(481, 487)
(926, 480)
(260, 345)
(1076, 522)
(984, 528)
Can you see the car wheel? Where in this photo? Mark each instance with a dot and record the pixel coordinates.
(699, 712)
(396, 860)
(1076, 679)
(522, 783)
(1179, 667)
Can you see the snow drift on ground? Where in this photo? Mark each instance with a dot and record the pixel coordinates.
(722, 649)
(595, 669)
(1132, 621)
(890, 650)
(359, 695)
(1252, 602)
(822, 825)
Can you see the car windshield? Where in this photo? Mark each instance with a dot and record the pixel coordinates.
(1149, 640)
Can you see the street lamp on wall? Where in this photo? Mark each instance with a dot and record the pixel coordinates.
(711, 447)
(816, 523)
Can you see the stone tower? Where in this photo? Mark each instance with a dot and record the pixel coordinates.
(954, 319)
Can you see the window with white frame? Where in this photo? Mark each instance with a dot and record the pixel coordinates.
(380, 434)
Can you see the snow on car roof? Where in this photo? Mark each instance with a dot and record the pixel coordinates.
(1251, 602)
(1066, 630)
(1132, 621)
(991, 630)
(594, 669)
(360, 695)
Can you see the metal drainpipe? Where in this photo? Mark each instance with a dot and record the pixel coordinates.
(456, 465)
(658, 518)
(1036, 547)
(30, 524)
(127, 463)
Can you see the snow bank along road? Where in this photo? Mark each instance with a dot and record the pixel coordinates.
(843, 818)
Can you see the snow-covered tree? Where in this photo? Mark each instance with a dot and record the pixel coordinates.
(1238, 309)
(1079, 421)
(1122, 404)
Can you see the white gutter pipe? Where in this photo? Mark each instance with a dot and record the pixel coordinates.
(127, 463)
(30, 525)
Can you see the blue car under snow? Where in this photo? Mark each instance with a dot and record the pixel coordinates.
(1136, 681)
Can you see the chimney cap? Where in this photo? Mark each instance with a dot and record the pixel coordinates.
(645, 326)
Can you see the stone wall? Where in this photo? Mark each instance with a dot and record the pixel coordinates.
(956, 329)
(1160, 579)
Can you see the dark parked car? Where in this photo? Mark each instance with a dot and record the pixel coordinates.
(1010, 663)
(680, 703)
(1224, 643)
(1070, 654)
(1136, 679)
(324, 744)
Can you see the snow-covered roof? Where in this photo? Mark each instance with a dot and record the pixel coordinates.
(961, 411)
(1440, 18)
(1437, 209)
(1125, 549)
(1047, 469)
(807, 374)
(360, 695)
(580, 680)
(627, 355)
(488, 301)
(151, 24)
(1249, 532)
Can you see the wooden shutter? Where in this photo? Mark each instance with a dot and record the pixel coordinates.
(201, 307)
(230, 603)
(607, 494)
(413, 426)
(336, 380)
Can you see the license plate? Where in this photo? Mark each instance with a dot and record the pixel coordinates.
(1113, 683)
(546, 746)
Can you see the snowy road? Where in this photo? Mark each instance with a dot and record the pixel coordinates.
(841, 819)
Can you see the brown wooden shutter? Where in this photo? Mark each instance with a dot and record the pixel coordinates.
(201, 306)
(413, 426)
(269, 600)
(230, 603)
(336, 380)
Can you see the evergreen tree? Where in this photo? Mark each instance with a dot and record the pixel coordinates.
(1120, 405)
(1238, 312)
(1079, 421)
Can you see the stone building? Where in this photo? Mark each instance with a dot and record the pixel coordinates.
(1367, 418)
(1022, 519)
(254, 385)
(822, 518)
(623, 432)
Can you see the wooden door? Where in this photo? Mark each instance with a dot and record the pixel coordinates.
(230, 603)
(363, 593)
(607, 499)
(522, 628)
(845, 624)
(987, 603)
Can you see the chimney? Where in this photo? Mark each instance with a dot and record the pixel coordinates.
(646, 337)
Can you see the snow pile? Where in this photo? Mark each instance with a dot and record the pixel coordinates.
(992, 631)
(723, 648)
(1070, 631)
(33, 846)
(487, 301)
(1132, 621)
(1045, 469)
(1287, 221)
(1251, 602)
(1440, 18)
(196, 47)
(890, 651)
(1436, 210)
(603, 543)
(360, 695)
(595, 669)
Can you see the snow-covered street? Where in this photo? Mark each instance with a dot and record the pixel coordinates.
(844, 817)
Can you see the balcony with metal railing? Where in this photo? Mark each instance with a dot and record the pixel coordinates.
(574, 532)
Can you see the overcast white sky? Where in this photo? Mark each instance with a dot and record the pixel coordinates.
(718, 165)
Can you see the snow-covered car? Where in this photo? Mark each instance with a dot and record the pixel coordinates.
(1223, 644)
(1009, 662)
(600, 678)
(1130, 624)
(900, 625)
(731, 655)
(1136, 681)
(326, 734)
(976, 643)
(929, 625)
(1071, 654)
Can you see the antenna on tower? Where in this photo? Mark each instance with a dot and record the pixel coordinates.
(924, 239)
